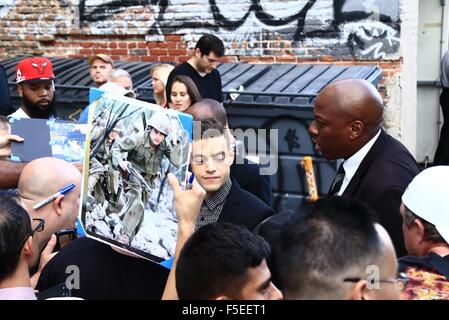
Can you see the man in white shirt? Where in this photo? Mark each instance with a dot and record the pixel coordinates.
(377, 168)
(34, 78)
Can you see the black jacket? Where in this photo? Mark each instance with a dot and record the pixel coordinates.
(380, 181)
(249, 178)
(244, 208)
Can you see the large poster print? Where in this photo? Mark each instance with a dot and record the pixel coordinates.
(127, 201)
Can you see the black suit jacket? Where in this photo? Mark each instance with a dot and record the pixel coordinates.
(244, 208)
(247, 174)
(380, 181)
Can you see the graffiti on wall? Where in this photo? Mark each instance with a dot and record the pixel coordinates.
(216, 8)
(365, 29)
(371, 27)
(5, 7)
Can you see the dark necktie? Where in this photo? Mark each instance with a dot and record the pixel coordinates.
(338, 181)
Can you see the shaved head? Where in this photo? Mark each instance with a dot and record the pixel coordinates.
(45, 176)
(42, 178)
(347, 114)
(357, 99)
(208, 108)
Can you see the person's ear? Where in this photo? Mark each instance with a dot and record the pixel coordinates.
(358, 291)
(197, 53)
(28, 250)
(58, 204)
(419, 229)
(20, 90)
(356, 129)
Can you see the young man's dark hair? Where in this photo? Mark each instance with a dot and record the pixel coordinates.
(216, 263)
(209, 42)
(208, 128)
(338, 240)
(15, 228)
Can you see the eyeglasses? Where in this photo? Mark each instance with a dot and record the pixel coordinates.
(39, 228)
(401, 280)
(63, 237)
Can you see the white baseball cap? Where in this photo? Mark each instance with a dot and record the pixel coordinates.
(427, 196)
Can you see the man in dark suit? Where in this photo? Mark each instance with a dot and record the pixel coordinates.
(225, 200)
(244, 171)
(376, 168)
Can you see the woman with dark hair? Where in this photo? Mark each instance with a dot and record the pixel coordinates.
(182, 93)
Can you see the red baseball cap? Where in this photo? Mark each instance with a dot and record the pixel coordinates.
(36, 69)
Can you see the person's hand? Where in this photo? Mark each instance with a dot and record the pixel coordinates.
(46, 255)
(7, 138)
(5, 143)
(187, 202)
(187, 206)
(124, 165)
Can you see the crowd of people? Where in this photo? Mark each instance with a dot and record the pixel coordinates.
(381, 233)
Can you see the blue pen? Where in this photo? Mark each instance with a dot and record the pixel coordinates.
(190, 183)
(64, 190)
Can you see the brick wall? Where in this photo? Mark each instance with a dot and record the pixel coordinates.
(255, 31)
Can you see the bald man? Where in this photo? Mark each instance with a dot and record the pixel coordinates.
(42, 178)
(244, 171)
(376, 168)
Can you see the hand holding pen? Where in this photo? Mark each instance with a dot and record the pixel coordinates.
(64, 190)
(190, 182)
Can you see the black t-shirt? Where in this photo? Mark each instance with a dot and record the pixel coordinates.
(104, 273)
(209, 86)
(422, 263)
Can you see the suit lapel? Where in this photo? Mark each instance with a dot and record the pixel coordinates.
(365, 164)
(229, 208)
